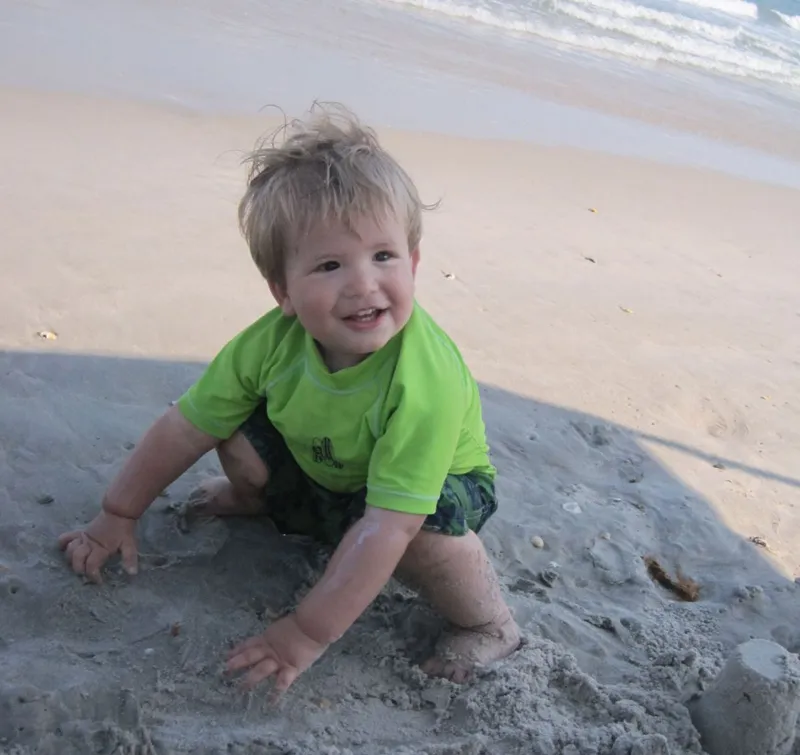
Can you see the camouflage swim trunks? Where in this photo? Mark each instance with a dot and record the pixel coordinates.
(300, 506)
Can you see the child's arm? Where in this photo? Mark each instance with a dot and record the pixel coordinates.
(165, 452)
(360, 567)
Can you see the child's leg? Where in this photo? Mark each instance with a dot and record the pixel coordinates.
(454, 574)
(240, 491)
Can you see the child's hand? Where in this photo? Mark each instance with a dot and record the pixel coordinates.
(88, 549)
(284, 650)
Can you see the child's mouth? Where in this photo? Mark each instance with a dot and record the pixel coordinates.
(365, 317)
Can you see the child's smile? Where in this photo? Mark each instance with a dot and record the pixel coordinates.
(365, 319)
(352, 288)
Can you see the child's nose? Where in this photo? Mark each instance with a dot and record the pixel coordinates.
(361, 282)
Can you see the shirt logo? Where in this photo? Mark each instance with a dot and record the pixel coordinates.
(322, 449)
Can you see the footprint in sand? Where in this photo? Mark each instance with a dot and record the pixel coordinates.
(727, 421)
(72, 721)
(165, 539)
(595, 436)
(613, 564)
(629, 465)
(630, 469)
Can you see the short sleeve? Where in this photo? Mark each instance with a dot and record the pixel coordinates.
(413, 456)
(228, 391)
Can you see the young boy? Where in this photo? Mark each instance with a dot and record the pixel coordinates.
(344, 413)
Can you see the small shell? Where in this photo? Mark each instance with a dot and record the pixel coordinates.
(537, 542)
(47, 335)
(605, 535)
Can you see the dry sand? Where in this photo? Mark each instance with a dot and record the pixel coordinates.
(640, 370)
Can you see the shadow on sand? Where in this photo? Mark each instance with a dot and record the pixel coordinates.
(587, 487)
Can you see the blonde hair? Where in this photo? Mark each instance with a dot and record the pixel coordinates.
(328, 167)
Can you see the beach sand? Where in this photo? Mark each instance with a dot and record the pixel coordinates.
(635, 329)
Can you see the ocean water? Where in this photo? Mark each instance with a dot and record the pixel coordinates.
(754, 42)
(397, 64)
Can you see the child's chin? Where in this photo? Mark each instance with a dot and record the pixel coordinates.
(376, 342)
(369, 345)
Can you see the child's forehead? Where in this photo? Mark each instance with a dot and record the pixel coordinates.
(366, 227)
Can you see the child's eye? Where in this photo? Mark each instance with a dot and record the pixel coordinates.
(383, 256)
(327, 267)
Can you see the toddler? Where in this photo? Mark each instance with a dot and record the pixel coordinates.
(344, 413)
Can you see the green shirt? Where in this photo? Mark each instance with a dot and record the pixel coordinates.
(398, 423)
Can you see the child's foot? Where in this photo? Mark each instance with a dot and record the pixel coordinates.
(216, 497)
(459, 651)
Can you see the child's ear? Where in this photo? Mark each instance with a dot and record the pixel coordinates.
(284, 302)
(414, 261)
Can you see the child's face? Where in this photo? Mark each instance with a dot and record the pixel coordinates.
(351, 289)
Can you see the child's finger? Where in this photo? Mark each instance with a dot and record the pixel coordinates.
(65, 539)
(284, 680)
(130, 557)
(77, 553)
(246, 657)
(251, 642)
(262, 671)
(94, 561)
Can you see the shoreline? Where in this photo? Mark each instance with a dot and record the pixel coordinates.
(432, 82)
